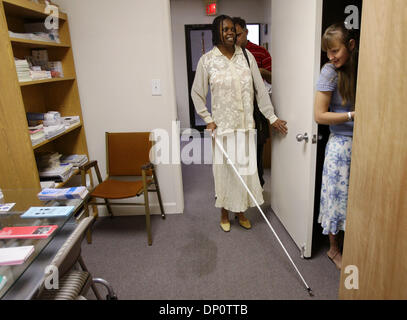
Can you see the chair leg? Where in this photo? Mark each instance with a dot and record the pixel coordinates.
(159, 196)
(109, 208)
(147, 208)
(148, 222)
(89, 231)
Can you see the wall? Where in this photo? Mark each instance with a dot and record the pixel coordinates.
(119, 47)
(193, 12)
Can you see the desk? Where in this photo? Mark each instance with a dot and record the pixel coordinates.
(24, 279)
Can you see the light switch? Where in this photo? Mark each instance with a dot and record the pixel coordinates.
(156, 87)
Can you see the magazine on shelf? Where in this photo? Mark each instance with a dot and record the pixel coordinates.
(48, 212)
(29, 232)
(15, 255)
(63, 194)
(6, 207)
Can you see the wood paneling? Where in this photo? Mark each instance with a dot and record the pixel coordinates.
(375, 238)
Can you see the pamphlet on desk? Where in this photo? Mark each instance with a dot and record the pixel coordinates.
(29, 232)
(48, 212)
(15, 255)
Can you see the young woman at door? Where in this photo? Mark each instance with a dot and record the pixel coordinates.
(334, 106)
(227, 72)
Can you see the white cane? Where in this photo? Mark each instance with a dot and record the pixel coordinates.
(261, 211)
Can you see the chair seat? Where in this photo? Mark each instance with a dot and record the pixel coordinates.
(70, 286)
(114, 189)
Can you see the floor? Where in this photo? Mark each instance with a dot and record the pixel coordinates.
(193, 259)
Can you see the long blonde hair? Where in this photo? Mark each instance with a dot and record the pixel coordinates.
(347, 74)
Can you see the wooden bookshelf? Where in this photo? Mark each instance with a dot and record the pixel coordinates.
(27, 9)
(37, 44)
(18, 169)
(31, 83)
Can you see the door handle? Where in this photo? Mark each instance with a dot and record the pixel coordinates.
(302, 137)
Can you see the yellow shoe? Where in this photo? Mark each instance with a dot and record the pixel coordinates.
(225, 226)
(244, 223)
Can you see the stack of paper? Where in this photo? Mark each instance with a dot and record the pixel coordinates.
(18, 35)
(50, 167)
(47, 184)
(60, 173)
(76, 160)
(47, 159)
(23, 70)
(69, 121)
(39, 30)
(37, 36)
(63, 194)
(15, 255)
(40, 75)
(37, 134)
(52, 131)
(56, 68)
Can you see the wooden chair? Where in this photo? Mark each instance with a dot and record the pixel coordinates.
(127, 154)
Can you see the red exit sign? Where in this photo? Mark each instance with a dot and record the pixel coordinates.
(211, 9)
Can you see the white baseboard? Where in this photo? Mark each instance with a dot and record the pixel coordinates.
(169, 208)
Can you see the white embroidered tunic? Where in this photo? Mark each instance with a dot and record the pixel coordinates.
(231, 83)
(231, 90)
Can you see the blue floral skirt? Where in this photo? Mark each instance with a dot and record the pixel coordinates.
(335, 184)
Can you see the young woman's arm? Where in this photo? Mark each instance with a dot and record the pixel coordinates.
(322, 115)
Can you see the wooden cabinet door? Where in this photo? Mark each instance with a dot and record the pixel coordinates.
(376, 226)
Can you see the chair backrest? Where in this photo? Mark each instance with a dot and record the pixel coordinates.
(126, 152)
(69, 253)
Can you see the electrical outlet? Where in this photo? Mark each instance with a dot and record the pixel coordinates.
(156, 87)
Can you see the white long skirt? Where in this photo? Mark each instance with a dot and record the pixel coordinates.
(230, 192)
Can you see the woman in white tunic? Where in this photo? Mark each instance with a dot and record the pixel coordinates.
(231, 81)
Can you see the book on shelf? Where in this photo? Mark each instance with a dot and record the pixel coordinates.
(76, 160)
(47, 184)
(36, 36)
(15, 255)
(6, 207)
(39, 30)
(37, 134)
(70, 120)
(23, 70)
(59, 173)
(52, 131)
(63, 194)
(56, 68)
(29, 232)
(48, 212)
(40, 75)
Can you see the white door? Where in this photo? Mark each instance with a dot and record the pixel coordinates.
(296, 47)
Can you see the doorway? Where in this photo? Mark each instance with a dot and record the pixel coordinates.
(333, 11)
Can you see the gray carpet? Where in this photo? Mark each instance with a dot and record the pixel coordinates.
(193, 259)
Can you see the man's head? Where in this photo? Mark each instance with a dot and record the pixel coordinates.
(241, 32)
